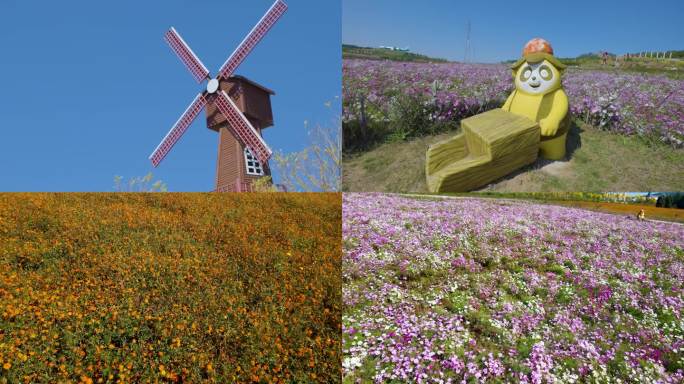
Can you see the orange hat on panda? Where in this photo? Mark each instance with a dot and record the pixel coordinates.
(537, 50)
(537, 45)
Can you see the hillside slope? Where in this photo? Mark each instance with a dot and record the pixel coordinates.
(169, 287)
(355, 52)
(502, 291)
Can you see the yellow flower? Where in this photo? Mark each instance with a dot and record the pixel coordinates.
(7, 365)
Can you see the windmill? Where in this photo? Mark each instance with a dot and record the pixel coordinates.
(236, 107)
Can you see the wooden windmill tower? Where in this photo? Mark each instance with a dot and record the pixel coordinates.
(237, 108)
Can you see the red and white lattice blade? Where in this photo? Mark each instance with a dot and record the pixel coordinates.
(242, 128)
(252, 38)
(178, 129)
(187, 56)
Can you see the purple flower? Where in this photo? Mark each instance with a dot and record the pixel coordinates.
(422, 308)
(623, 103)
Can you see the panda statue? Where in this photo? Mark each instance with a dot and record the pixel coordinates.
(539, 96)
(533, 122)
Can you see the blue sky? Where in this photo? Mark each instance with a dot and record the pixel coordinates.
(499, 29)
(89, 88)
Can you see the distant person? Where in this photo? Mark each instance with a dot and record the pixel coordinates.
(641, 215)
(604, 57)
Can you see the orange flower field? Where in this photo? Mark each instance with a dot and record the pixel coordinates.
(170, 287)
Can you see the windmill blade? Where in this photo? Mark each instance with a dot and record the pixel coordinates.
(242, 127)
(187, 56)
(252, 38)
(178, 129)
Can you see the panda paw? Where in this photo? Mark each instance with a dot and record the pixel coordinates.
(547, 127)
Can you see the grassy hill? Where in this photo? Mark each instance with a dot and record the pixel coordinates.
(651, 212)
(399, 166)
(355, 52)
(170, 287)
(601, 202)
(671, 67)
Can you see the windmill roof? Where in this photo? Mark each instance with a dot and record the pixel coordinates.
(253, 83)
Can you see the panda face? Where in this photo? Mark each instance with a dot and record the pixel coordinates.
(537, 78)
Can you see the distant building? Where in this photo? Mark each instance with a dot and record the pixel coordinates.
(395, 48)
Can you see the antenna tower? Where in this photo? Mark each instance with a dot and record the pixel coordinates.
(468, 48)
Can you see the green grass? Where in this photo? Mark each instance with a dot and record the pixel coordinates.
(670, 67)
(355, 52)
(598, 161)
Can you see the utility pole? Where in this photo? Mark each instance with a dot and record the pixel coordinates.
(467, 44)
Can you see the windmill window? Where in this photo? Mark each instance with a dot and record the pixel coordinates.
(253, 165)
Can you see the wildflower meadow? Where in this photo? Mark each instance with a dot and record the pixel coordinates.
(100, 288)
(413, 96)
(467, 290)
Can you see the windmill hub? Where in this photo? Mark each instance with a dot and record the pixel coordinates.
(212, 85)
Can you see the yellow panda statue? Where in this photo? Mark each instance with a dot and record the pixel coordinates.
(539, 96)
(533, 122)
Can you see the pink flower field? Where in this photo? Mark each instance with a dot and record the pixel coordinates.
(622, 103)
(465, 290)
